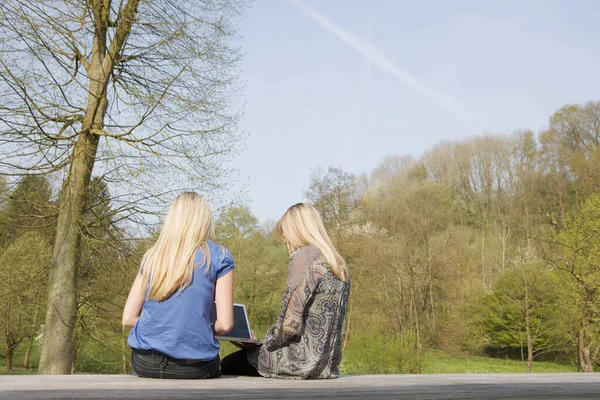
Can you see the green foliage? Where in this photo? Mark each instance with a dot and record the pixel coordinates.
(236, 223)
(503, 317)
(260, 265)
(375, 353)
(29, 207)
(108, 262)
(579, 240)
(23, 273)
(26, 218)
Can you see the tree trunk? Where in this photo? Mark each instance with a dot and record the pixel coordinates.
(561, 205)
(347, 329)
(418, 328)
(527, 228)
(521, 347)
(529, 347)
(349, 314)
(74, 360)
(124, 351)
(585, 364)
(528, 329)
(483, 277)
(431, 278)
(9, 358)
(36, 323)
(57, 348)
(27, 355)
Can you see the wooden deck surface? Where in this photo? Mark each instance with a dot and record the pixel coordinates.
(476, 386)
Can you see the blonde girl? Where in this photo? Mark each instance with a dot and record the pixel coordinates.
(170, 303)
(305, 342)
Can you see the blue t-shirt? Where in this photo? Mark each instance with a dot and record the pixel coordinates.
(180, 325)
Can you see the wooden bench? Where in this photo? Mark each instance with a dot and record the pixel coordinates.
(475, 386)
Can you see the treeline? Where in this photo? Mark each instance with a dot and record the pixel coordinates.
(485, 245)
(489, 245)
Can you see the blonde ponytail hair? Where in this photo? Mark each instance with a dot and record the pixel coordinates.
(301, 226)
(169, 264)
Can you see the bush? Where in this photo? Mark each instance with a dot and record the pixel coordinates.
(380, 354)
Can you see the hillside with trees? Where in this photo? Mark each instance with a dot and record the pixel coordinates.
(485, 246)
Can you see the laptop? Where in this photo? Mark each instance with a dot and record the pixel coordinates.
(241, 331)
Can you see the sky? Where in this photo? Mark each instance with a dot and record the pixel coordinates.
(346, 83)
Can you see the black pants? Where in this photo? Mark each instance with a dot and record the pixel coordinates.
(154, 364)
(237, 364)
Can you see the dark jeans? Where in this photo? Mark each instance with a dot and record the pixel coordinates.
(237, 364)
(154, 364)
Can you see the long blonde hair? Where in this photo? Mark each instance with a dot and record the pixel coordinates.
(169, 264)
(300, 226)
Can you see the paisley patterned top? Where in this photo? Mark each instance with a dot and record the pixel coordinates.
(306, 340)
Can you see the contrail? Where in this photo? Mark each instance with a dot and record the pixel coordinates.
(372, 53)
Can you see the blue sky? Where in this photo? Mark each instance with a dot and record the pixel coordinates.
(400, 77)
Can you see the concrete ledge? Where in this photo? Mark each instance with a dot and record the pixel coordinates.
(475, 386)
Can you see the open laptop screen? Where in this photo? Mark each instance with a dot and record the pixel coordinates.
(241, 326)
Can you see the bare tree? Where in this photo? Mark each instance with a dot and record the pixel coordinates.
(334, 194)
(139, 91)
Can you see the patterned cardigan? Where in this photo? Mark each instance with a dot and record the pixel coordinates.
(306, 340)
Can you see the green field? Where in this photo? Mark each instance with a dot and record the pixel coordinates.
(371, 359)
(436, 362)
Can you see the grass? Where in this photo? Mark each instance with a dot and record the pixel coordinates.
(18, 371)
(356, 360)
(18, 363)
(438, 362)
(401, 357)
